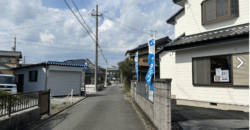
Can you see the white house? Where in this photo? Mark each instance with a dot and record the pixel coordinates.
(60, 77)
(204, 60)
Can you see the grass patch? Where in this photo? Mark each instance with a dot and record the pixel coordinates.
(58, 107)
(126, 90)
(53, 106)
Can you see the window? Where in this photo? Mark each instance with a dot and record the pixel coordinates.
(33, 76)
(222, 64)
(214, 10)
(5, 60)
(215, 70)
(145, 58)
(201, 71)
(7, 80)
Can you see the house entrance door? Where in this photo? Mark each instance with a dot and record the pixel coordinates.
(20, 83)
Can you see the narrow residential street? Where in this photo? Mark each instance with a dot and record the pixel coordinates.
(104, 110)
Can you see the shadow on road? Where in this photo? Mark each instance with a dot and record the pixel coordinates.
(55, 121)
(94, 95)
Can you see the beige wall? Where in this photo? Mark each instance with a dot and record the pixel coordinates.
(9, 72)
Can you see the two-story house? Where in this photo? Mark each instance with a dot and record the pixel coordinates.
(143, 58)
(8, 61)
(208, 60)
(112, 71)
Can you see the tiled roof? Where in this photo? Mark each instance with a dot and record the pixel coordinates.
(75, 64)
(164, 40)
(211, 36)
(172, 19)
(11, 53)
(2, 64)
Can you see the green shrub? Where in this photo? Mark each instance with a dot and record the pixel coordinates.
(2, 92)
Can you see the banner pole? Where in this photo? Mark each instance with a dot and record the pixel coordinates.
(154, 56)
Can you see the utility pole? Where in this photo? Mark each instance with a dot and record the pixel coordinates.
(14, 48)
(24, 60)
(96, 51)
(154, 53)
(106, 73)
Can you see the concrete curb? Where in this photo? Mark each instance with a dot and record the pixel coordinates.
(45, 120)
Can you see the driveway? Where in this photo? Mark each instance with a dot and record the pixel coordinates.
(104, 110)
(197, 118)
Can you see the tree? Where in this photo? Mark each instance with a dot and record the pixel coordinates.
(116, 75)
(125, 68)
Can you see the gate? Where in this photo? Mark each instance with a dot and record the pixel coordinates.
(44, 101)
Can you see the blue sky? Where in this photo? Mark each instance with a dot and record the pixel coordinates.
(64, 38)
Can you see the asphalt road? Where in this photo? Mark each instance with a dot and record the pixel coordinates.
(105, 110)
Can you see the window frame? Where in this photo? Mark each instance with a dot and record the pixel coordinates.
(230, 15)
(36, 76)
(221, 84)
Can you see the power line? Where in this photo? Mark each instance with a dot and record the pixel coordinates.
(111, 34)
(126, 25)
(79, 20)
(65, 44)
(32, 8)
(54, 47)
(82, 18)
(29, 44)
(83, 4)
(46, 42)
(90, 4)
(38, 25)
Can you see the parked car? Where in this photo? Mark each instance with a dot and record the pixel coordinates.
(7, 83)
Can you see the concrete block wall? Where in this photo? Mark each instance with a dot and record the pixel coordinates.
(20, 119)
(159, 112)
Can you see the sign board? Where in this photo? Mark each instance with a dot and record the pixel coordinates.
(240, 69)
(221, 75)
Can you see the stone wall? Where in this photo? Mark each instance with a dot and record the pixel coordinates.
(159, 112)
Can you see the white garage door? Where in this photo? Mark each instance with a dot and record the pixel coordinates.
(61, 82)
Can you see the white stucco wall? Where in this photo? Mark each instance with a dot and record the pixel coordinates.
(182, 75)
(192, 19)
(33, 86)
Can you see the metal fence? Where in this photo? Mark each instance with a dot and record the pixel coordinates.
(142, 89)
(17, 102)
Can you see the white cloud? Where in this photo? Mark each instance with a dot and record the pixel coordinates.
(46, 37)
(115, 38)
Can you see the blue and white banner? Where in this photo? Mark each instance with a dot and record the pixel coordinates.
(151, 60)
(151, 63)
(136, 65)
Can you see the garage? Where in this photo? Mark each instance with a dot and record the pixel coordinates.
(59, 77)
(62, 82)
